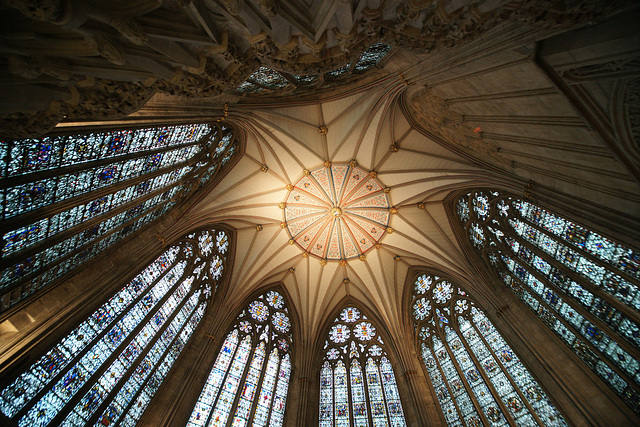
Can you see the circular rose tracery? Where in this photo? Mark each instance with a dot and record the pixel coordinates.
(337, 212)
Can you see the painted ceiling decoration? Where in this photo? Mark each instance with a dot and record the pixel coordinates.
(337, 212)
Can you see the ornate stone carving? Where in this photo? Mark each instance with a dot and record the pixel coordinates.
(434, 115)
(270, 7)
(131, 30)
(110, 50)
(42, 10)
(233, 6)
(622, 68)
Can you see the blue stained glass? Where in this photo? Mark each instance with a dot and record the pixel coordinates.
(255, 394)
(486, 376)
(280, 399)
(94, 211)
(32, 155)
(162, 303)
(575, 280)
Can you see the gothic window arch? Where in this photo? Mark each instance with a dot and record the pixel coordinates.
(477, 377)
(249, 380)
(269, 81)
(107, 369)
(357, 383)
(66, 198)
(583, 286)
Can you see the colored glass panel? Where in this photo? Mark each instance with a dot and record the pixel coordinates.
(583, 286)
(248, 386)
(351, 379)
(109, 367)
(476, 376)
(115, 182)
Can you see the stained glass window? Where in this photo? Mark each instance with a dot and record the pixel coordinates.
(477, 378)
(66, 198)
(584, 286)
(357, 383)
(249, 380)
(107, 369)
(267, 80)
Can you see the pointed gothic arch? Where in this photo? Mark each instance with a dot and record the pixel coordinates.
(255, 364)
(477, 377)
(580, 283)
(107, 369)
(357, 382)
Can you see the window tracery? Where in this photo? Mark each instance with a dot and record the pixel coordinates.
(357, 383)
(109, 367)
(66, 198)
(267, 80)
(254, 364)
(477, 377)
(582, 285)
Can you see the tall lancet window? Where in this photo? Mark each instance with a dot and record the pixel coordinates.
(478, 379)
(582, 285)
(250, 378)
(66, 198)
(108, 368)
(357, 384)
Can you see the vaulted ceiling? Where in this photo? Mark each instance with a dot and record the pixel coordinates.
(367, 125)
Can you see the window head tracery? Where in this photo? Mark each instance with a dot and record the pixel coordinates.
(269, 81)
(254, 364)
(477, 377)
(357, 383)
(66, 198)
(583, 286)
(108, 368)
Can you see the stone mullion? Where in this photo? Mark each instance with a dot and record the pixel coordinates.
(79, 394)
(77, 167)
(631, 349)
(226, 374)
(57, 207)
(453, 399)
(276, 381)
(78, 228)
(247, 367)
(93, 342)
(573, 275)
(581, 251)
(508, 375)
(130, 371)
(630, 382)
(485, 376)
(77, 250)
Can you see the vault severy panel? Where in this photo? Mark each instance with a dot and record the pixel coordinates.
(337, 211)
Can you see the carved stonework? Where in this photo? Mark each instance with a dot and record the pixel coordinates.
(131, 30)
(623, 68)
(42, 10)
(433, 114)
(127, 42)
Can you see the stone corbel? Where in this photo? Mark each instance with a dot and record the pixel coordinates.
(110, 50)
(54, 11)
(234, 7)
(131, 30)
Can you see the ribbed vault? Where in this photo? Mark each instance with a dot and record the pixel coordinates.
(369, 126)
